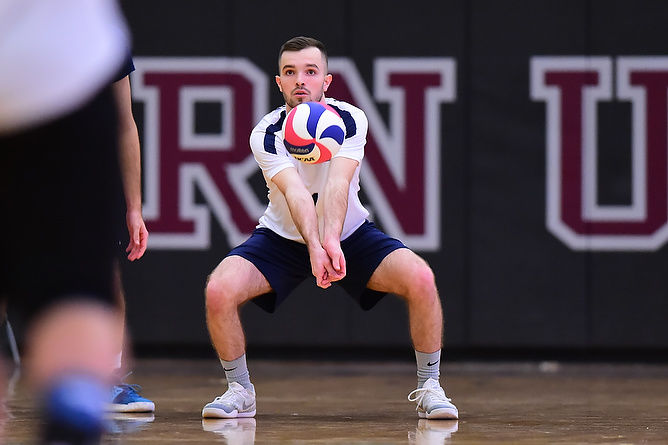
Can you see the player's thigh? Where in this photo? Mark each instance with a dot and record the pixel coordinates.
(237, 277)
(398, 272)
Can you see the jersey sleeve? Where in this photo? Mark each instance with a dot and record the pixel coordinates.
(356, 129)
(269, 150)
(127, 68)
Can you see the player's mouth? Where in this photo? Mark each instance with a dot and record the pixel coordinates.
(300, 92)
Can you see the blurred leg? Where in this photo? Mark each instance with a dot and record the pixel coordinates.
(70, 349)
(58, 263)
(80, 336)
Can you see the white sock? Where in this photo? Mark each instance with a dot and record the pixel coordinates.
(428, 366)
(118, 362)
(237, 371)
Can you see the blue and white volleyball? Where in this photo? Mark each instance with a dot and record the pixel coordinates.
(313, 132)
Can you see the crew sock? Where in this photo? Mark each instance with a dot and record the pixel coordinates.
(428, 366)
(237, 371)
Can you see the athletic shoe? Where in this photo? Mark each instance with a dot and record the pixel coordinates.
(432, 402)
(125, 399)
(235, 431)
(73, 411)
(430, 432)
(236, 402)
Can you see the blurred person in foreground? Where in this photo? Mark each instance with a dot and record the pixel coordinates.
(59, 162)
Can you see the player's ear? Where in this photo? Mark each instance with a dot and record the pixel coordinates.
(278, 82)
(328, 80)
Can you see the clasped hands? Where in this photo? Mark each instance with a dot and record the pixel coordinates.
(328, 264)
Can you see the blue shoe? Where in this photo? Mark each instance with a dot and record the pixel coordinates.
(73, 411)
(125, 399)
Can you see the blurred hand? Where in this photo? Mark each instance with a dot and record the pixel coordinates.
(138, 235)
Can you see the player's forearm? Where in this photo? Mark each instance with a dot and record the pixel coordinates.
(129, 147)
(304, 216)
(335, 206)
(130, 164)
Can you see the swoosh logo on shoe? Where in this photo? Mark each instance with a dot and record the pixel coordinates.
(231, 369)
(247, 404)
(431, 364)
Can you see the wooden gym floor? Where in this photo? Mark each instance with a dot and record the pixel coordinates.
(303, 402)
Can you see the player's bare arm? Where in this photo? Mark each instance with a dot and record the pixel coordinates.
(130, 163)
(335, 205)
(302, 210)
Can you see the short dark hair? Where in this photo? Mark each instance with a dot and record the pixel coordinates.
(300, 43)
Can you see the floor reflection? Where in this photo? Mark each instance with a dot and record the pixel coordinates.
(239, 431)
(125, 423)
(432, 432)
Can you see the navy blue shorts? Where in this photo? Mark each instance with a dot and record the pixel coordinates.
(286, 264)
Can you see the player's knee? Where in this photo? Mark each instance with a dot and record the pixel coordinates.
(219, 297)
(424, 283)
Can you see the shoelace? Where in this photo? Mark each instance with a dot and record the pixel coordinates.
(130, 387)
(418, 394)
(228, 395)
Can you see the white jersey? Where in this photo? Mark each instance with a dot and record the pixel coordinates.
(54, 55)
(266, 142)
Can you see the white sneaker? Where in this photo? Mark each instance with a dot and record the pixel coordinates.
(432, 402)
(236, 402)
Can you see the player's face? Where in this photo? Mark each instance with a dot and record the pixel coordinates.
(303, 77)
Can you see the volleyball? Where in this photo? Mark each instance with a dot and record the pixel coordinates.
(313, 132)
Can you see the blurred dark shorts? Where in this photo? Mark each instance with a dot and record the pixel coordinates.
(58, 189)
